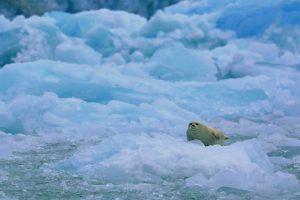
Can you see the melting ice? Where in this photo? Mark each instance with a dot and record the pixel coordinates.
(96, 104)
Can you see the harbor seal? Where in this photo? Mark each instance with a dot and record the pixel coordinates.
(207, 135)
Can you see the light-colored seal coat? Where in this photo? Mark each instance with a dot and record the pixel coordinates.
(207, 135)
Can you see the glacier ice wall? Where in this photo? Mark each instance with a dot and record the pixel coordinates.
(28, 8)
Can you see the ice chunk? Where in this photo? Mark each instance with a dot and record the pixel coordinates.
(193, 31)
(13, 143)
(247, 57)
(257, 182)
(79, 25)
(163, 23)
(41, 36)
(270, 52)
(137, 56)
(9, 45)
(285, 37)
(54, 76)
(117, 59)
(246, 23)
(290, 123)
(177, 63)
(102, 40)
(51, 115)
(251, 22)
(72, 80)
(104, 84)
(137, 156)
(5, 23)
(79, 54)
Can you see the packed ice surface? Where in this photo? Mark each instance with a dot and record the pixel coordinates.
(146, 158)
(98, 102)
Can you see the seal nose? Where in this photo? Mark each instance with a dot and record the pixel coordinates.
(193, 125)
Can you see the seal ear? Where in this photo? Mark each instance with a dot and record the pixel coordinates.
(226, 138)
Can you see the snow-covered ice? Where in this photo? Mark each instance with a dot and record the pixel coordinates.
(98, 102)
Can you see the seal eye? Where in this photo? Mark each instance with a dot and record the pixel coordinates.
(197, 124)
(190, 124)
